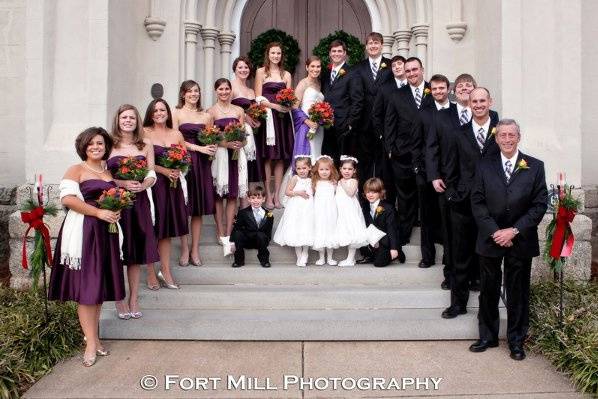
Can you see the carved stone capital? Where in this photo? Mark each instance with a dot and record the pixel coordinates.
(226, 39)
(402, 35)
(456, 30)
(420, 31)
(209, 36)
(154, 27)
(191, 31)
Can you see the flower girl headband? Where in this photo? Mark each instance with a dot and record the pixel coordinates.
(348, 158)
(325, 157)
(302, 156)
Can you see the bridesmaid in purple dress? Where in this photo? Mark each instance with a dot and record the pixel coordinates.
(169, 202)
(269, 80)
(189, 118)
(136, 222)
(225, 113)
(89, 271)
(244, 96)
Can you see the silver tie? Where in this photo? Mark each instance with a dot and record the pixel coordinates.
(508, 171)
(464, 117)
(258, 217)
(374, 70)
(481, 138)
(332, 75)
(418, 97)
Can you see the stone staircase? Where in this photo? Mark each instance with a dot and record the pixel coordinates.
(286, 302)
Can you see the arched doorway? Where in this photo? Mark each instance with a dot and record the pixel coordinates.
(307, 20)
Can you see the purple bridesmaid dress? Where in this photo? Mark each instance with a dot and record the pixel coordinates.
(255, 169)
(233, 169)
(283, 131)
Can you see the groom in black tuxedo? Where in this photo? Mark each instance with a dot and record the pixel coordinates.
(344, 99)
(508, 202)
(369, 76)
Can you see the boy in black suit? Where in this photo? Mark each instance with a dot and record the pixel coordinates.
(382, 215)
(253, 229)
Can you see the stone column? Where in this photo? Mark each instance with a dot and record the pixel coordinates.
(420, 32)
(209, 36)
(226, 40)
(402, 38)
(191, 31)
(387, 47)
(154, 25)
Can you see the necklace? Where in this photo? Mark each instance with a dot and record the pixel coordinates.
(86, 165)
(224, 111)
(190, 107)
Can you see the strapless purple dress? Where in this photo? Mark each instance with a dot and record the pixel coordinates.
(233, 168)
(101, 276)
(255, 169)
(199, 178)
(169, 204)
(283, 131)
(136, 222)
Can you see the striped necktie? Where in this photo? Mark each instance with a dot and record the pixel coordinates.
(418, 97)
(464, 117)
(481, 138)
(508, 171)
(332, 75)
(374, 69)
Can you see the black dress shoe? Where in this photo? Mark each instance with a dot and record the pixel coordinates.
(453, 311)
(235, 264)
(424, 265)
(481, 345)
(402, 258)
(445, 285)
(266, 264)
(474, 285)
(365, 259)
(517, 352)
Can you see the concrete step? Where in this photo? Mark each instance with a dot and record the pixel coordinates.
(293, 325)
(406, 275)
(294, 297)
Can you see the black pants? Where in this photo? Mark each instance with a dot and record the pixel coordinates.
(430, 221)
(445, 229)
(406, 191)
(465, 262)
(517, 281)
(252, 240)
(338, 142)
(380, 255)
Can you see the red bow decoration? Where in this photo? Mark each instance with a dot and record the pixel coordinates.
(561, 246)
(35, 219)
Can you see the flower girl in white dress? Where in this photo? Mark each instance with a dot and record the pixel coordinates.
(324, 176)
(296, 227)
(350, 225)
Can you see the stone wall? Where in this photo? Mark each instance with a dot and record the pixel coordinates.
(7, 207)
(591, 211)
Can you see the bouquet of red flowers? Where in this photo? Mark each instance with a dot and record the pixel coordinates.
(286, 97)
(131, 168)
(257, 112)
(175, 157)
(210, 136)
(235, 131)
(115, 199)
(322, 113)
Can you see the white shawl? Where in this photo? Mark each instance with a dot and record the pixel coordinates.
(220, 172)
(250, 146)
(151, 175)
(270, 134)
(71, 244)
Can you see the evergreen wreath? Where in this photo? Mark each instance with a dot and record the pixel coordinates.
(355, 49)
(290, 48)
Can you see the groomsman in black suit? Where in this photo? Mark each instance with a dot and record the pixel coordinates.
(397, 116)
(346, 101)
(369, 76)
(253, 229)
(508, 199)
(472, 142)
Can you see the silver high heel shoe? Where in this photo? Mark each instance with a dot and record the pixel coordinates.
(165, 283)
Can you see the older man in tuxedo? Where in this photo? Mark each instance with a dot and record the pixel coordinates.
(346, 101)
(509, 199)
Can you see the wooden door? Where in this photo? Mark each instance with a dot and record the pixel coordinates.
(308, 21)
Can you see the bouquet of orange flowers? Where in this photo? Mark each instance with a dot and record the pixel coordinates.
(286, 97)
(131, 168)
(115, 199)
(322, 113)
(235, 131)
(175, 157)
(210, 136)
(257, 112)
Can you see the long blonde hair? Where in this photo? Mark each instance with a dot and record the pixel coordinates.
(314, 170)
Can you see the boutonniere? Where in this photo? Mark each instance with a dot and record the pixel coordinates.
(493, 133)
(383, 65)
(522, 165)
(269, 214)
(426, 91)
(341, 72)
(330, 66)
(379, 210)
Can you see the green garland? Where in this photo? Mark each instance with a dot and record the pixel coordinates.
(290, 48)
(355, 49)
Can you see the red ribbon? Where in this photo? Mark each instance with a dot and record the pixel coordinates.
(562, 247)
(35, 219)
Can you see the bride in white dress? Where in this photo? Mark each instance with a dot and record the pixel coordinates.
(308, 92)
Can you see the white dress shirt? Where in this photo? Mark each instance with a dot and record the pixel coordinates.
(442, 106)
(421, 88)
(258, 214)
(336, 69)
(400, 83)
(460, 109)
(477, 127)
(513, 160)
(378, 61)
(373, 206)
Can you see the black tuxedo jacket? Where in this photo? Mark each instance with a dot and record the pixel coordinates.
(384, 221)
(433, 140)
(344, 97)
(462, 167)
(245, 222)
(520, 203)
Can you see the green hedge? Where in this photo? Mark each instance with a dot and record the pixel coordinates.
(290, 48)
(28, 348)
(355, 49)
(574, 349)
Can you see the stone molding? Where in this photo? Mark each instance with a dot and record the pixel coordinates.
(154, 27)
(456, 30)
